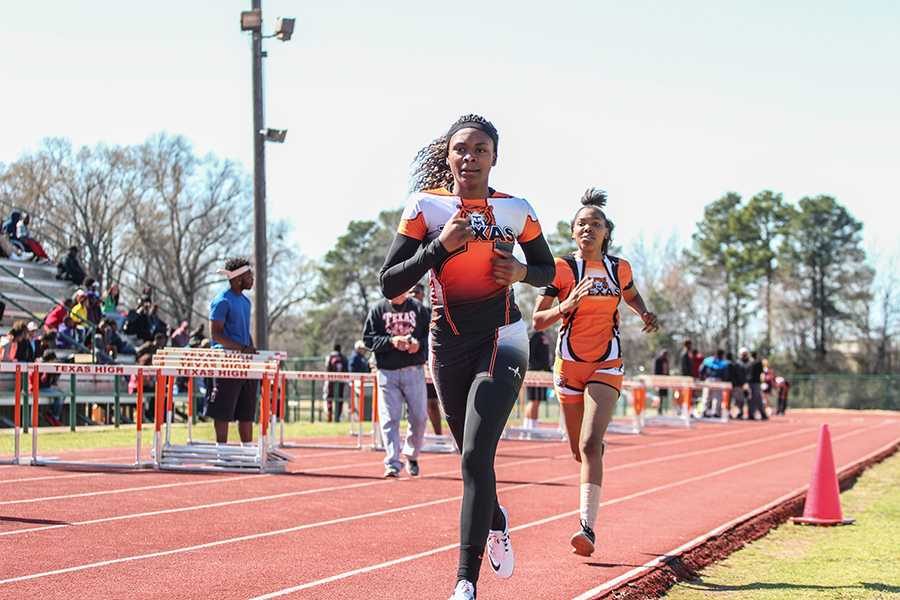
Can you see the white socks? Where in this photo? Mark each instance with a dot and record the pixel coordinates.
(531, 423)
(590, 503)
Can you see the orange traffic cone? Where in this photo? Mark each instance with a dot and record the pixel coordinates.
(823, 499)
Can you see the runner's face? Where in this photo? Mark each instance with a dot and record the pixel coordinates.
(470, 153)
(590, 230)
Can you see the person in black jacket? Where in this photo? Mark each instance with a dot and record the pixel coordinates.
(395, 330)
(538, 360)
(739, 374)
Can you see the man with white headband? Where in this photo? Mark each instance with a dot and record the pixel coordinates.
(229, 325)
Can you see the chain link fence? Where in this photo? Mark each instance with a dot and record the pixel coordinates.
(844, 391)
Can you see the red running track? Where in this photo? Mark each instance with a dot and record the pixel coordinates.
(334, 529)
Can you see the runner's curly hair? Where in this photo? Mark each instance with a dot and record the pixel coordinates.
(235, 263)
(595, 198)
(430, 169)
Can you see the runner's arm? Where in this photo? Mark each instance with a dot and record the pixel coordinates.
(406, 263)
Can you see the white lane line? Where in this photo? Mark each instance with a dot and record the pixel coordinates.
(131, 489)
(339, 520)
(359, 485)
(23, 479)
(565, 515)
(651, 564)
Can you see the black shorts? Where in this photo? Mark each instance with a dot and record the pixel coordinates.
(536, 393)
(430, 392)
(233, 400)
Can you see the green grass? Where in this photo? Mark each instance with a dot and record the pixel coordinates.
(59, 439)
(857, 561)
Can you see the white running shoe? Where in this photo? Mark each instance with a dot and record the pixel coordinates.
(499, 549)
(464, 590)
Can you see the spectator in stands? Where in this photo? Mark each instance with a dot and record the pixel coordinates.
(755, 380)
(160, 341)
(28, 349)
(538, 360)
(68, 334)
(13, 251)
(333, 393)
(47, 343)
(784, 387)
(661, 367)
(687, 363)
(9, 344)
(197, 336)
(110, 304)
(70, 269)
(49, 381)
(137, 323)
(181, 335)
(55, 317)
(113, 343)
(79, 313)
(31, 245)
(396, 331)
(157, 325)
(94, 311)
(9, 224)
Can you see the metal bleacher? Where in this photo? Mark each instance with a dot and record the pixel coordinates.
(23, 302)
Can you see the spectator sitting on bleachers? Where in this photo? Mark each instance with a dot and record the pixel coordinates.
(94, 312)
(27, 351)
(160, 341)
(55, 317)
(157, 325)
(67, 333)
(113, 343)
(180, 336)
(70, 269)
(79, 314)
(137, 323)
(50, 381)
(9, 344)
(197, 337)
(30, 244)
(13, 251)
(46, 343)
(110, 305)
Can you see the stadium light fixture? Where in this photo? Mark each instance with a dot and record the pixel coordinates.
(251, 20)
(274, 135)
(284, 28)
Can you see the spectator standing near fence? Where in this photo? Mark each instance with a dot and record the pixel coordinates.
(395, 330)
(538, 360)
(229, 324)
(740, 371)
(783, 386)
(661, 367)
(434, 409)
(714, 369)
(333, 391)
(755, 380)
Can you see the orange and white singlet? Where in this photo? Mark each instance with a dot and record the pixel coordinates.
(588, 349)
(464, 295)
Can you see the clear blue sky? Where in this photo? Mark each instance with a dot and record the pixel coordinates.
(667, 105)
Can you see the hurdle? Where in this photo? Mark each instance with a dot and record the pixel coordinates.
(539, 379)
(358, 383)
(637, 393)
(17, 421)
(202, 456)
(682, 399)
(723, 387)
(33, 372)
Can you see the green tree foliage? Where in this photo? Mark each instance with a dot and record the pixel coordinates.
(560, 240)
(718, 261)
(823, 249)
(761, 225)
(349, 271)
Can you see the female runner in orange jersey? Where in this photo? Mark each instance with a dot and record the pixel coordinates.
(588, 372)
(463, 231)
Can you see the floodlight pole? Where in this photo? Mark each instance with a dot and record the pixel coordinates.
(261, 333)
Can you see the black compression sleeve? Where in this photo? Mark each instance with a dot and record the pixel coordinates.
(407, 262)
(541, 268)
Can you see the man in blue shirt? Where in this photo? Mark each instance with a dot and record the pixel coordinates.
(714, 369)
(229, 324)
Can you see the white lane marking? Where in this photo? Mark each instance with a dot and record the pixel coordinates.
(613, 583)
(544, 521)
(339, 520)
(359, 485)
(142, 488)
